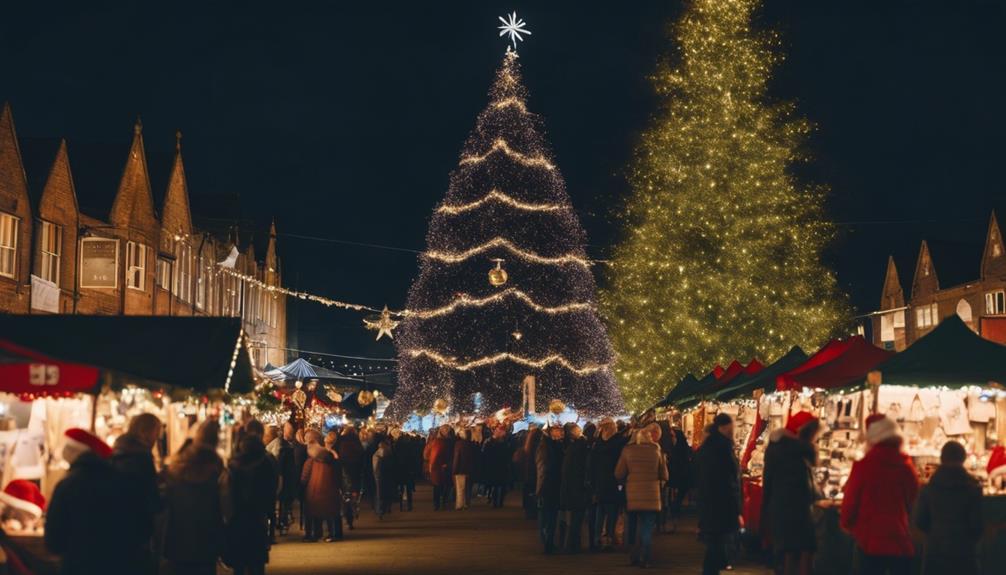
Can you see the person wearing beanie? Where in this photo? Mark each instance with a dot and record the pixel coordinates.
(949, 512)
(880, 491)
(789, 492)
(719, 492)
(92, 512)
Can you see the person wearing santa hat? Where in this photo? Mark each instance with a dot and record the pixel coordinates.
(91, 511)
(789, 492)
(949, 512)
(879, 493)
(996, 467)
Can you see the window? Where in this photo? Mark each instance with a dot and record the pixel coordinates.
(136, 266)
(201, 285)
(8, 245)
(163, 273)
(995, 303)
(52, 242)
(927, 315)
(183, 279)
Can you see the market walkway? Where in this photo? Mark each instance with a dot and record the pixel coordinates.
(480, 540)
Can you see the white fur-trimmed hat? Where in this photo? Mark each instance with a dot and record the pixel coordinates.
(25, 496)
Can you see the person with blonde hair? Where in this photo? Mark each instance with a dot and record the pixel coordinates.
(641, 467)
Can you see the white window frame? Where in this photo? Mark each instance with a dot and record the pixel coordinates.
(201, 284)
(995, 302)
(927, 315)
(51, 248)
(163, 273)
(8, 244)
(136, 266)
(183, 273)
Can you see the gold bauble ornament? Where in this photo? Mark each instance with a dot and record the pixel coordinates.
(497, 275)
(556, 406)
(440, 406)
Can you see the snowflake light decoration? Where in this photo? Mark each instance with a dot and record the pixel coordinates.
(513, 26)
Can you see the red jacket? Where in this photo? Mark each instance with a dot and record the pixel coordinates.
(880, 491)
(439, 454)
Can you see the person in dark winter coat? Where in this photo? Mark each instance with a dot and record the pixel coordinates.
(949, 512)
(548, 490)
(351, 456)
(463, 468)
(404, 453)
(92, 511)
(496, 465)
(133, 457)
(323, 482)
(529, 470)
(719, 492)
(438, 455)
(252, 482)
(604, 491)
(193, 537)
(573, 495)
(289, 476)
(679, 472)
(299, 459)
(789, 493)
(878, 496)
(385, 486)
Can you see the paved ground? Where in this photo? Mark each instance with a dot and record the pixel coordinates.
(479, 540)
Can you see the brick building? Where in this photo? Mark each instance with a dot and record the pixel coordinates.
(961, 277)
(75, 240)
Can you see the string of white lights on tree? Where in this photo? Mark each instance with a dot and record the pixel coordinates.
(507, 213)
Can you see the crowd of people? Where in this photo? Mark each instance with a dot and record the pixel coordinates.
(613, 484)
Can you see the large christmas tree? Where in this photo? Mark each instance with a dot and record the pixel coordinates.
(722, 253)
(505, 289)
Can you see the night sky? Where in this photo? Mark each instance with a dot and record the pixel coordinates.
(343, 119)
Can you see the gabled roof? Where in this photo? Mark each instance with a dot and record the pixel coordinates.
(38, 156)
(97, 170)
(858, 359)
(957, 262)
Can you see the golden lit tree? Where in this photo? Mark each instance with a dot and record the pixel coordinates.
(721, 257)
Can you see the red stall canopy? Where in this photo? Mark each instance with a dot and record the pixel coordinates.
(31, 374)
(860, 358)
(829, 352)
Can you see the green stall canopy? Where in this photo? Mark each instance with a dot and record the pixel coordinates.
(950, 355)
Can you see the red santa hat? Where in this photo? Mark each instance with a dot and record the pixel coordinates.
(25, 496)
(880, 428)
(798, 420)
(79, 441)
(997, 462)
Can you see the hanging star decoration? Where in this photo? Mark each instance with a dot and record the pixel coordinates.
(514, 27)
(383, 324)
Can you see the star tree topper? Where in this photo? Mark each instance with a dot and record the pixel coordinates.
(513, 26)
(383, 324)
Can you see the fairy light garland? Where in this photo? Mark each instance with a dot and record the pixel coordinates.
(505, 356)
(464, 300)
(500, 197)
(455, 257)
(500, 145)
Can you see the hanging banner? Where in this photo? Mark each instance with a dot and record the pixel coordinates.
(44, 295)
(99, 263)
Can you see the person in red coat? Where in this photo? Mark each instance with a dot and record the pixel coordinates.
(439, 453)
(879, 494)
